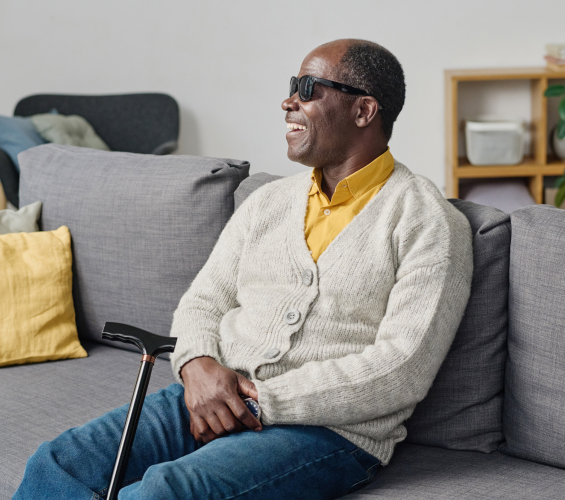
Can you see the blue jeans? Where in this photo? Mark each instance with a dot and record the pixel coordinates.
(279, 462)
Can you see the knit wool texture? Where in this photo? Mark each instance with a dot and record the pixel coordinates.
(373, 326)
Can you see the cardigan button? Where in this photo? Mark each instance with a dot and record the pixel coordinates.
(292, 316)
(307, 277)
(272, 353)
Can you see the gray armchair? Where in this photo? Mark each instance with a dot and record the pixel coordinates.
(136, 123)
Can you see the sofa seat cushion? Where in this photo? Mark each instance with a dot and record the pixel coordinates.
(42, 400)
(419, 472)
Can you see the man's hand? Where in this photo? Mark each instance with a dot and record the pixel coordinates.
(211, 394)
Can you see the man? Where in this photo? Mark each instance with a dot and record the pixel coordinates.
(330, 299)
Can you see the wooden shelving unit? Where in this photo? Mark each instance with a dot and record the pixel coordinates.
(534, 167)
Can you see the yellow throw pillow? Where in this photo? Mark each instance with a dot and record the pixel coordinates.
(37, 314)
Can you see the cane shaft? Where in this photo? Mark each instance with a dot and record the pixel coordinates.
(130, 427)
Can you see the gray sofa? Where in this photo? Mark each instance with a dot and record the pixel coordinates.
(491, 426)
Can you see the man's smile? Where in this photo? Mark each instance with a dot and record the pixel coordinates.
(295, 130)
(295, 127)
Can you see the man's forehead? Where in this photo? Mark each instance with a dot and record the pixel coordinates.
(323, 60)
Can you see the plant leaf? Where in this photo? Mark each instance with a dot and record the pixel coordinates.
(554, 91)
(559, 197)
(562, 109)
(559, 182)
(560, 129)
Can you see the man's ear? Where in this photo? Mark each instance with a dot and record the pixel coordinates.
(366, 111)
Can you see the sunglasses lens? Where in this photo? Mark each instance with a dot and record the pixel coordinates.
(305, 88)
(293, 86)
(303, 85)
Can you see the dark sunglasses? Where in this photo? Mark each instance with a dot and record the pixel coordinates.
(305, 86)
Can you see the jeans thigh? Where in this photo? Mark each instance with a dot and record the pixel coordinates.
(279, 462)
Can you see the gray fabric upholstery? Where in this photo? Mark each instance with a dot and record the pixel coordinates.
(142, 226)
(463, 409)
(251, 184)
(428, 473)
(534, 405)
(41, 400)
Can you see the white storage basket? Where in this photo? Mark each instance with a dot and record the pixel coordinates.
(494, 143)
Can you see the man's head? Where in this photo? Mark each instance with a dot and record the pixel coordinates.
(339, 125)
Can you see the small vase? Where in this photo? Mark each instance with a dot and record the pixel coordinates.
(558, 145)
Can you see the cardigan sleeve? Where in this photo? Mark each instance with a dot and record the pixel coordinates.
(424, 309)
(211, 295)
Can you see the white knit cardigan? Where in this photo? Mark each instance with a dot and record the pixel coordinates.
(356, 342)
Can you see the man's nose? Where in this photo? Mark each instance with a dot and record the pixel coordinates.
(290, 103)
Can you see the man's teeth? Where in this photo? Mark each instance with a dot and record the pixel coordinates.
(295, 126)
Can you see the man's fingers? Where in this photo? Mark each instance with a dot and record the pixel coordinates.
(203, 430)
(214, 423)
(228, 420)
(240, 410)
(245, 386)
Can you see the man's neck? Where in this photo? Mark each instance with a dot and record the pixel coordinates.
(333, 175)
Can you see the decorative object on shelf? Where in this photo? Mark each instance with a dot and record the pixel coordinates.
(537, 165)
(557, 144)
(558, 133)
(494, 142)
(555, 56)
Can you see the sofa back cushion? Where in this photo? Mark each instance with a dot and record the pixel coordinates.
(534, 404)
(463, 408)
(142, 226)
(250, 184)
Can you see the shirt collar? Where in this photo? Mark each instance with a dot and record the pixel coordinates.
(362, 180)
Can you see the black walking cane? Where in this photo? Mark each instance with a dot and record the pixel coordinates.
(151, 346)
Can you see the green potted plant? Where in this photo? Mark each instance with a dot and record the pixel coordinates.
(558, 139)
(560, 195)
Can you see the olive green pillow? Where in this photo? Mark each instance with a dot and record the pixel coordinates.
(70, 130)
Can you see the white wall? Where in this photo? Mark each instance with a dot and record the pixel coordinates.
(228, 62)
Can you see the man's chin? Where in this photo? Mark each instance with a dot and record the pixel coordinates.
(298, 156)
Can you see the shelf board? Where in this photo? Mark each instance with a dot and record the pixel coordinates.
(554, 166)
(527, 168)
(487, 74)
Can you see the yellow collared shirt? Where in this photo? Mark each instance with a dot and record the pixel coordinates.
(325, 219)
